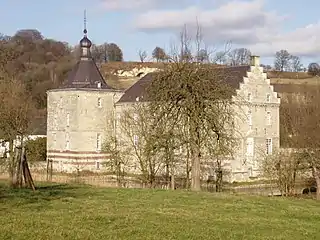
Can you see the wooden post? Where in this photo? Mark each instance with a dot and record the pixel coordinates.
(26, 171)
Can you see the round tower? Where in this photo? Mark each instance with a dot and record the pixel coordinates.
(79, 114)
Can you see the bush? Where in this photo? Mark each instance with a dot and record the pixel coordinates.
(36, 150)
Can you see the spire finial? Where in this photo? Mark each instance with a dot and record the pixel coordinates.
(85, 22)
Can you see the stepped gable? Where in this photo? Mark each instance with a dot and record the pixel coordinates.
(85, 74)
(233, 76)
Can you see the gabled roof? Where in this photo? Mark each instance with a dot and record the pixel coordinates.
(233, 77)
(85, 74)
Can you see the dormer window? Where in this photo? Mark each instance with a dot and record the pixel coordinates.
(99, 84)
(268, 98)
(249, 97)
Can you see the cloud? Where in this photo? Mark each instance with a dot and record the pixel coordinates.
(245, 23)
(112, 5)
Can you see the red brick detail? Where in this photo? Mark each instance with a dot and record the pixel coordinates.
(76, 152)
(77, 157)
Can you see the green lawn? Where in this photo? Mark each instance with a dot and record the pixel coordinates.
(83, 212)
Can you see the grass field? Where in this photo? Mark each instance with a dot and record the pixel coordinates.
(83, 212)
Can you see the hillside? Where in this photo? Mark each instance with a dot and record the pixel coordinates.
(83, 212)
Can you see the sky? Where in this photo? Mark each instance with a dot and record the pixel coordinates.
(263, 26)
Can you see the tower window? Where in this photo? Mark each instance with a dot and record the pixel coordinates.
(98, 165)
(98, 142)
(68, 119)
(54, 135)
(67, 141)
(249, 118)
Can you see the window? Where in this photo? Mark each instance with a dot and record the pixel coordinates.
(118, 117)
(98, 141)
(54, 136)
(249, 118)
(268, 98)
(135, 140)
(60, 102)
(249, 97)
(135, 116)
(250, 146)
(99, 102)
(68, 119)
(268, 118)
(98, 165)
(268, 146)
(55, 117)
(67, 141)
(99, 84)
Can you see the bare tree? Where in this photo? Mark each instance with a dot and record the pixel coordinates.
(239, 56)
(198, 104)
(282, 60)
(295, 63)
(142, 55)
(17, 109)
(203, 56)
(301, 120)
(284, 168)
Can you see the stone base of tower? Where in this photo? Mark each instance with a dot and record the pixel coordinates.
(75, 161)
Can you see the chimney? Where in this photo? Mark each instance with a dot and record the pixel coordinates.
(255, 61)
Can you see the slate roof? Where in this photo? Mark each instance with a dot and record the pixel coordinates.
(85, 74)
(233, 77)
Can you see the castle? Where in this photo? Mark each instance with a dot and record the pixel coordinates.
(78, 113)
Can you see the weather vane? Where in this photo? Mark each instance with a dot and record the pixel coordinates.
(85, 22)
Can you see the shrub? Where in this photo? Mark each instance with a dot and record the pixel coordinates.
(36, 150)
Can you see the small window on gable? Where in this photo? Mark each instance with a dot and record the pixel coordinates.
(99, 102)
(268, 97)
(249, 97)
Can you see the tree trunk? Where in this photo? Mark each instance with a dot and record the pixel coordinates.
(195, 170)
(11, 162)
(316, 175)
(26, 171)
